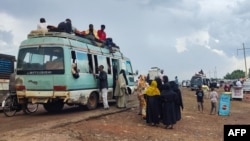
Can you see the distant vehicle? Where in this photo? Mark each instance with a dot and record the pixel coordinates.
(246, 87)
(222, 82)
(188, 83)
(154, 72)
(198, 80)
(214, 83)
(185, 83)
(6, 69)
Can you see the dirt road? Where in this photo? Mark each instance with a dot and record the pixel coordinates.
(74, 124)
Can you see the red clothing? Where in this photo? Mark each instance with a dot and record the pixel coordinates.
(102, 35)
(227, 88)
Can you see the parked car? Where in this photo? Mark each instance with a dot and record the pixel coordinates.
(246, 87)
(185, 83)
(188, 83)
(214, 83)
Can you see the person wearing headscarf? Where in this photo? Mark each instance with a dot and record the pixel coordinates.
(141, 87)
(168, 98)
(152, 110)
(179, 103)
(121, 90)
(164, 82)
(159, 83)
(164, 79)
(159, 86)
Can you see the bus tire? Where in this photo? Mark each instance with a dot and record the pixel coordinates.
(30, 108)
(54, 106)
(92, 101)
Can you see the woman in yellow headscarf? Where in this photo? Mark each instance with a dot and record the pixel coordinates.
(152, 111)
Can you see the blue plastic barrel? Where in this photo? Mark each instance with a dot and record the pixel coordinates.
(224, 103)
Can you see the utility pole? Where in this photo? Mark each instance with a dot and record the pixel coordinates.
(244, 51)
(215, 73)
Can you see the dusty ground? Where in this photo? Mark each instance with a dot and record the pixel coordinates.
(128, 126)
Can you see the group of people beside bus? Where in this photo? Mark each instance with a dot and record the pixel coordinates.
(120, 91)
(160, 101)
(98, 37)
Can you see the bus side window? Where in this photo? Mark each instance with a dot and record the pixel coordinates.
(129, 68)
(73, 55)
(109, 65)
(90, 63)
(74, 70)
(96, 64)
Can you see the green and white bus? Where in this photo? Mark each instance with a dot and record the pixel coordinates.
(44, 70)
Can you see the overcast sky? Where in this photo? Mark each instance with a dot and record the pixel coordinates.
(179, 36)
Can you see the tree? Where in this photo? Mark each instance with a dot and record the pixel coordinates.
(236, 74)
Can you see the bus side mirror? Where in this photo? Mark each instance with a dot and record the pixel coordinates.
(136, 72)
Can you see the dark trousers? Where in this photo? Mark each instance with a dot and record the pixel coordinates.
(213, 107)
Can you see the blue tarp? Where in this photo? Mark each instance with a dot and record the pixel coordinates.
(6, 66)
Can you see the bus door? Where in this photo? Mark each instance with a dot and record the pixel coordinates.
(105, 61)
(115, 64)
(126, 65)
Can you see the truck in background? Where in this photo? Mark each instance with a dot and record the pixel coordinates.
(7, 63)
(199, 80)
(154, 72)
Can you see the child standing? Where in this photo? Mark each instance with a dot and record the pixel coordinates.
(200, 98)
(214, 99)
(205, 89)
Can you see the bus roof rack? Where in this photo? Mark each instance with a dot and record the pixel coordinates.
(45, 33)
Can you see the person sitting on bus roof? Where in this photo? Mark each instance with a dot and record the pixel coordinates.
(201, 72)
(101, 33)
(91, 33)
(102, 37)
(42, 25)
(65, 26)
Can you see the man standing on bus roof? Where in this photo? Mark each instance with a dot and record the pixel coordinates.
(103, 86)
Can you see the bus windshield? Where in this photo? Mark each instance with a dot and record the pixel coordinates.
(196, 80)
(41, 59)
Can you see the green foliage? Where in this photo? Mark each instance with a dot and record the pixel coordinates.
(235, 74)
